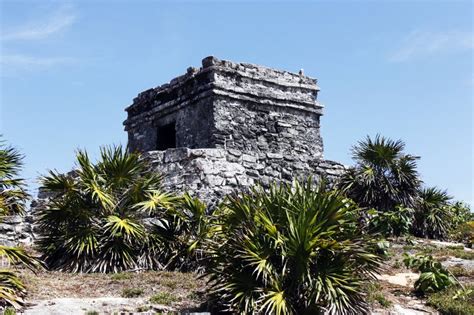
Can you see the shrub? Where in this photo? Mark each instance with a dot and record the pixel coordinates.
(433, 278)
(132, 292)
(453, 301)
(464, 233)
(383, 177)
(391, 223)
(291, 250)
(461, 213)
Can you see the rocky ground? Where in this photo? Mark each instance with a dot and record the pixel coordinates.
(172, 292)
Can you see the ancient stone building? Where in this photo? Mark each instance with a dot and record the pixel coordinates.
(222, 127)
(230, 124)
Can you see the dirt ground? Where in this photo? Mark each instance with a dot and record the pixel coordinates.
(153, 292)
(177, 291)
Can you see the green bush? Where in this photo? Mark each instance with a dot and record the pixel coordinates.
(461, 212)
(453, 301)
(464, 233)
(290, 250)
(433, 278)
(391, 223)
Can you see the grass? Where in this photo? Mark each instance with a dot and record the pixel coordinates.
(132, 292)
(121, 276)
(446, 303)
(441, 253)
(164, 298)
(92, 313)
(375, 295)
(459, 271)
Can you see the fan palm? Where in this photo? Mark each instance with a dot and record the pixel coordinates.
(383, 176)
(179, 236)
(433, 215)
(114, 215)
(12, 188)
(13, 197)
(291, 250)
(93, 221)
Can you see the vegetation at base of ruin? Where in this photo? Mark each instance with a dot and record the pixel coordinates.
(12, 201)
(95, 219)
(433, 276)
(287, 250)
(454, 301)
(291, 250)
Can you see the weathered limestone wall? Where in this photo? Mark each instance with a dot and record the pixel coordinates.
(16, 230)
(260, 129)
(211, 174)
(226, 104)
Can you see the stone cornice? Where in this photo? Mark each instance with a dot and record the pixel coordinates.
(242, 81)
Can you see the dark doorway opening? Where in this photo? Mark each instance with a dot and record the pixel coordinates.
(166, 137)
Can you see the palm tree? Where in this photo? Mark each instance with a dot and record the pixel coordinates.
(13, 197)
(383, 176)
(290, 250)
(95, 221)
(433, 215)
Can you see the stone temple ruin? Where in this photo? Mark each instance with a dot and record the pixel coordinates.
(222, 127)
(228, 125)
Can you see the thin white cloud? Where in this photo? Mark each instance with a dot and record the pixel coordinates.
(59, 21)
(17, 64)
(25, 61)
(419, 44)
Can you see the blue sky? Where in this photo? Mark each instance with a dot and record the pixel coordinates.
(403, 69)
